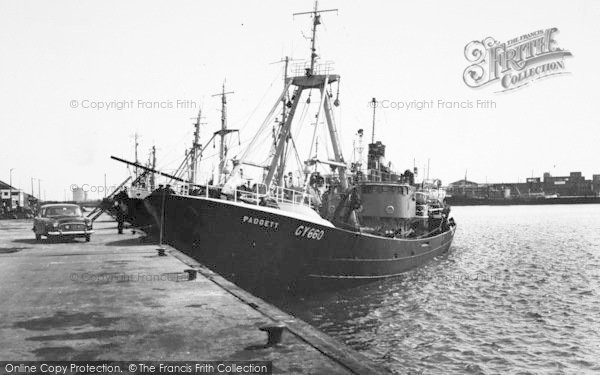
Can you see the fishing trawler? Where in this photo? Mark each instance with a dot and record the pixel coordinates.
(348, 226)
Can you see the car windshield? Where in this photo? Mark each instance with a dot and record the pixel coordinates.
(62, 211)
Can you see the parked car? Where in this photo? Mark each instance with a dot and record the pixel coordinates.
(62, 221)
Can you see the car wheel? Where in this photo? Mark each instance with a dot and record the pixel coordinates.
(87, 238)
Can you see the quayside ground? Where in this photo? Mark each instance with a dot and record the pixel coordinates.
(114, 298)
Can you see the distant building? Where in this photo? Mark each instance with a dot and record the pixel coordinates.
(19, 197)
(466, 188)
(572, 185)
(462, 184)
(79, 195)
(596, 184)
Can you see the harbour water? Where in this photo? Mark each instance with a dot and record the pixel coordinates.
(519, 292)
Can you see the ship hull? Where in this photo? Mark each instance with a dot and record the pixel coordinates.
(138, 214)
(262, 249)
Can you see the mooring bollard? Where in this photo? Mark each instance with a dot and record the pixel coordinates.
(161, 252)
(274, 332)
(191, 274)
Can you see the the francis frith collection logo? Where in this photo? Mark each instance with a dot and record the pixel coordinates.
(514, 63)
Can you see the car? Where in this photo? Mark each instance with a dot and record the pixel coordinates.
(62, 221)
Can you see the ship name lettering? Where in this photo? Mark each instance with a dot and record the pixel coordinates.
(308, 232)
(260, 222)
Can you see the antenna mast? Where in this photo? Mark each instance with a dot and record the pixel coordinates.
(316, 22)
(374, 101)
(428, 160)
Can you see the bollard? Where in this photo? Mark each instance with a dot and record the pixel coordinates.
(274, 332)
(161, 252)
(191, 274)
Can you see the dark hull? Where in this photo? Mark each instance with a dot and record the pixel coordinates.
(462, 201)
(262, 249)
(138, 214)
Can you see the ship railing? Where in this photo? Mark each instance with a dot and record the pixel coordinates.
(377, 176)
(373, 175)
(215, 191)
(258, 194)
(380, 176)
(301, 69)
(285, 195)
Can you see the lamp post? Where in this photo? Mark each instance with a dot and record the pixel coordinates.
(10, 190)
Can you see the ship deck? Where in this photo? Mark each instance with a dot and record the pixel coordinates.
(114, 299)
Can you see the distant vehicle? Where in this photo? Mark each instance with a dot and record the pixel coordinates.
(62, 221)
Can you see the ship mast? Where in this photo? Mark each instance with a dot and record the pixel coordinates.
(311, 79)
(374, 104)
(281, 171)
(222, 133)
(306, 82)
(358, 149)
(136, 153)
(316, 14)
(152, 177)
(196, 146)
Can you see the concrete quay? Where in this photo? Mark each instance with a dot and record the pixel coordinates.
(115, 299)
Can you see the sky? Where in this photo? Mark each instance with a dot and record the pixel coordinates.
(62, 60)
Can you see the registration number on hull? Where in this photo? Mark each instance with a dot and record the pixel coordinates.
(309, 232)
